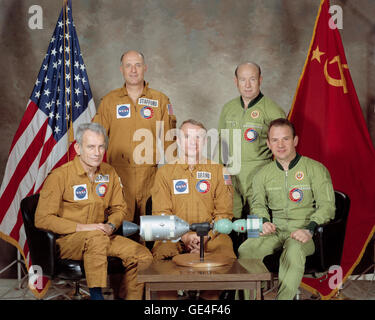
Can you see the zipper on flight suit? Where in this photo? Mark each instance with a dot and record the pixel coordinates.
(242, 130)
(286, 193)
(193, 207)
(91, 204)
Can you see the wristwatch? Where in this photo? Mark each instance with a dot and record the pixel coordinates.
(112, 226)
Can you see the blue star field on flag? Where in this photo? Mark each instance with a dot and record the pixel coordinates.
(60, 93)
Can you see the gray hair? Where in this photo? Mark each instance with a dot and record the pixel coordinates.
(92, 126)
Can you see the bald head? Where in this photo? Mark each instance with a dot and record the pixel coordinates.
(248, 80)
(247, 65)
(133, 68)
(132, 52)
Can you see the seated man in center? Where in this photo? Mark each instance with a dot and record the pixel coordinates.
(196, 190)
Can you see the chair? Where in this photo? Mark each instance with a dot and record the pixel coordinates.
(328, 239)
(43, 250)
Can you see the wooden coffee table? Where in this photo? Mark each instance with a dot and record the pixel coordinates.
(241, 274)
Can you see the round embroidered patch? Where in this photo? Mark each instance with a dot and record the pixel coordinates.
(180, 186)
(250, 135)
(255, 114)
(81, 192)
(123, 111)
(296, 195)
(203, 186)
(101, 189)
(147, 112)
(299, 175)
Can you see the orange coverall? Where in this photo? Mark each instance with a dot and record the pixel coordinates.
(67, 198)
(200, 195)
(122, 117)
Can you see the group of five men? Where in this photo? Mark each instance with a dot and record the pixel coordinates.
(86, 200)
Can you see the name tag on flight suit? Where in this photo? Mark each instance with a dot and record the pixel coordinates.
(102, 178)
(204, 175)
(80, 192)
(180, 186)
(148, 102)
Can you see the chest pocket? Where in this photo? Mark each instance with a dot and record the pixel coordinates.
(231, 123)
(275, 197)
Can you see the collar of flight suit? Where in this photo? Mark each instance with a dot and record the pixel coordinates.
(252, 102)
(292, 163)
(79, 168)
(185, 165)
(124, 91)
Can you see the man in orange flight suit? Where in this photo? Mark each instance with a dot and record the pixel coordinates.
(82, 201)
(196, 190)
(135, 117)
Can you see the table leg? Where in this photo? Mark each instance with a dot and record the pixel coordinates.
(259, 293)
(147, 291)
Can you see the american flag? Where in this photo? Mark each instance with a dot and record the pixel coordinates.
(60, 101)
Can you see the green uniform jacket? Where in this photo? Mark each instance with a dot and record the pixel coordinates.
(246, 129)
(253, 123)
(301, 197)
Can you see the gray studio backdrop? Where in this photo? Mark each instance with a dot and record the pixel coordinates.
(191, 47)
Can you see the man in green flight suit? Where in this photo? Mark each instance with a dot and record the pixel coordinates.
(298, 192)
(243, 147)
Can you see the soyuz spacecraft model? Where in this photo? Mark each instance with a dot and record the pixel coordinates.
(170, 227)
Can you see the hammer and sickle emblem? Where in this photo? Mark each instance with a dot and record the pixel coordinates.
(336, 82)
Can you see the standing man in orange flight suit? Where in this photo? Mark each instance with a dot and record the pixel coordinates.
(196, 190)
(82, 201)
(136, 117)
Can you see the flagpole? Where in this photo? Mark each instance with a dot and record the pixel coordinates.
(69, 122)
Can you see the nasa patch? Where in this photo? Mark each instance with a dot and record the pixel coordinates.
(296, 195)
(180, 186)
(250, 135)
(80, 192)
(147, 112)
(101, 189)
(123, 111)
(203, 186)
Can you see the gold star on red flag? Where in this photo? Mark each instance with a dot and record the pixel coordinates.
(316, 54)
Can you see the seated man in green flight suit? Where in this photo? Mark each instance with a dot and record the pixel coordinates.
(298, 192)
